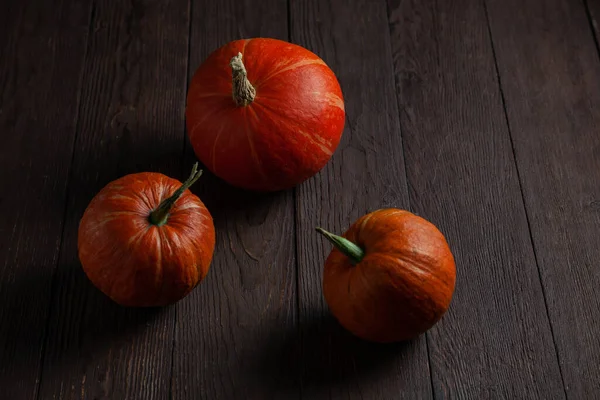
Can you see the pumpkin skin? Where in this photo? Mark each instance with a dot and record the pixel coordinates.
(285, 135)
(135, 262)
(402, 286)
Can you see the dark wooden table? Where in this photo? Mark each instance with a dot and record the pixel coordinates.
(481, 116)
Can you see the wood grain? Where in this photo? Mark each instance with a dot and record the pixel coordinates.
(480, 116)
(41, 58)
(496, 341)
(131, 120)
(550, 75)
(365, 173)
(231, 329)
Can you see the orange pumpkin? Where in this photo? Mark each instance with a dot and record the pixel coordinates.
(390, 277)
(264, 114)
(146, 240)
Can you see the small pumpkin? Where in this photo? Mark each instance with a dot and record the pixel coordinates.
(145, 240)
(264, 114)
(390, 277)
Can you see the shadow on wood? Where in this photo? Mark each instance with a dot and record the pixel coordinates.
(247, 209)
(321, 355)
(101, 322)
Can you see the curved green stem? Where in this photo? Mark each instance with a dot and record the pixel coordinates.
(349, 249)
(160, 215)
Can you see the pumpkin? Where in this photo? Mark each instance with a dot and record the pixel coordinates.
(264, 114)
(390, 277)
(145, 240)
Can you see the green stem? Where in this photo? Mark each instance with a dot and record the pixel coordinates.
(349, 249)
(160, 215)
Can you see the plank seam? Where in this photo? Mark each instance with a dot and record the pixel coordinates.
(53, 284)
(407, 184)
(297, 286)
(296, 259)
(182, 168)
(588, 13)
(524, 202)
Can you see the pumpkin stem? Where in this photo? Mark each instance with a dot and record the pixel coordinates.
(243, 91)
(350, 250)
(160, 215)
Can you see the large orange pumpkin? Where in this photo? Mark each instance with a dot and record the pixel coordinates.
(146, 240)
(264, 114)
(390, 277)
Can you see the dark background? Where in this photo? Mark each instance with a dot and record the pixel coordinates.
(481, 116)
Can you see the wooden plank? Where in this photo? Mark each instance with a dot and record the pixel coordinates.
(131, 121)
(41, 61)
(496, 340)
(365, 173)
(550, 75)
(229, 329)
